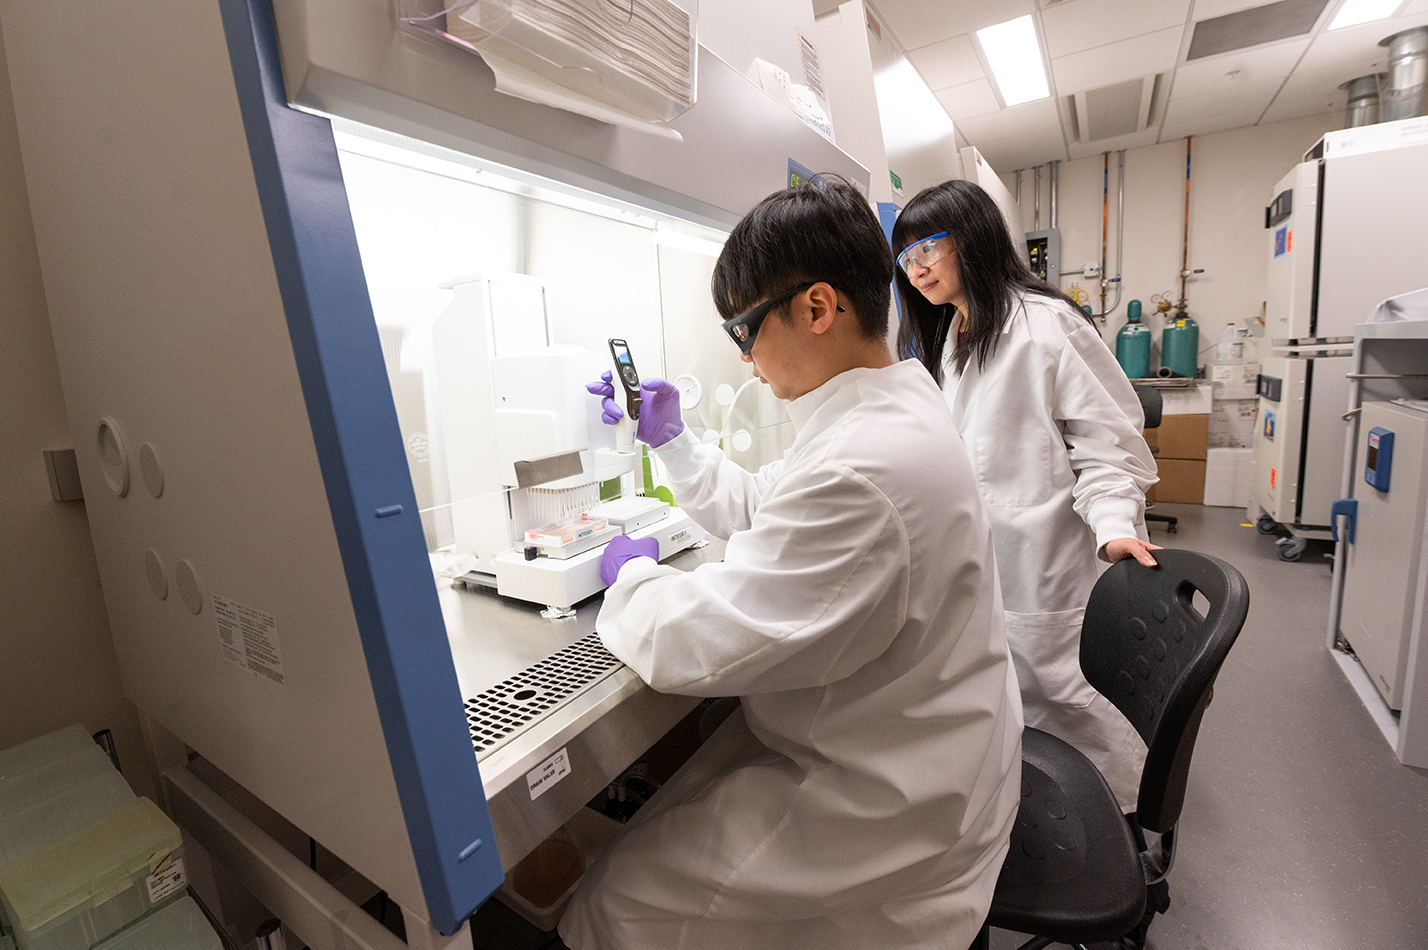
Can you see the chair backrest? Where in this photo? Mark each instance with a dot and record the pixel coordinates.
(1147, 649)
(1151, 403)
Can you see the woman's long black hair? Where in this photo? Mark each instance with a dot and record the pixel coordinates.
(992, 275)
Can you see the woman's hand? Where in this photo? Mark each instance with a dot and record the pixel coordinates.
(1130, 547)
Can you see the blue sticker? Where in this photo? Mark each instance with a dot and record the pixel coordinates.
(1281, 241)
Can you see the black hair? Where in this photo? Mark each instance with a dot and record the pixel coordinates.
(824, 231)
(990, 269)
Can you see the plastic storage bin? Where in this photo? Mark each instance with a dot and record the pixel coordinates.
(178, 926)
(586, 834)
(74, 892)
(36, 753)
(45, 796)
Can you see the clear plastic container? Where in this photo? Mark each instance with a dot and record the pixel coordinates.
(56, 798)
(179, 926)
(76, 891)
(45, 750)
(551, 872)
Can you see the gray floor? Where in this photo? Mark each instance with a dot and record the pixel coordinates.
(1300, 828)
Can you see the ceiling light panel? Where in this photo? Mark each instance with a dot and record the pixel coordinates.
(1014, 57)
(1354, 12)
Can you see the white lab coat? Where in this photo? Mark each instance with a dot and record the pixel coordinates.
(864, 794)
(1054, 431)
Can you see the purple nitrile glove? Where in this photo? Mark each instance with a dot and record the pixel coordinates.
(659, 419)
(621, 549)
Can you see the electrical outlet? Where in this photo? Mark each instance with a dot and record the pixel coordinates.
(63, 471)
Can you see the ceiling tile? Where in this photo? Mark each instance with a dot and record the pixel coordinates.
(1209, 9)
(1201, 115)
(968, 100)
(950, 62)
(1022, 151)
(918, 23)
(1280, 112)
(1024, 119)
(1085, 24)
(1116, 62)
(1133, 140)
(1303, 98)
(1226, 73)
(1357, 43)
(1316, 84)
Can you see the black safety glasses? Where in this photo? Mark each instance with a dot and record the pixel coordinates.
(744, 327)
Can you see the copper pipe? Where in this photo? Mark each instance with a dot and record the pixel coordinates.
(1185, 246)
(1105, 221)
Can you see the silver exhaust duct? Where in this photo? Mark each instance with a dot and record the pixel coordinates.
(1406, 93)
(1363, 101)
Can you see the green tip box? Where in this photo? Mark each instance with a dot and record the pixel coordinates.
(79, 889)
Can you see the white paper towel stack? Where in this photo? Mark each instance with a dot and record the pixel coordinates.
(633, 57)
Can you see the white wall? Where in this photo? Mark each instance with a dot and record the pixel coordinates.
(56, 651)
(740, 31)
(884, 114)
(1232, 174)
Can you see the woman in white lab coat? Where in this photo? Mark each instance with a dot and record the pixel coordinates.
(1054, 430)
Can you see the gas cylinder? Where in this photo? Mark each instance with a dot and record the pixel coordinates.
(1180, 348)
(1133, 344)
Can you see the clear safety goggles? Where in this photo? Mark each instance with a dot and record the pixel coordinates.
(924, 253)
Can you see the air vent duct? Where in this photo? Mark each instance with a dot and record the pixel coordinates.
(1407, 92)
(1363, 101)
(1107, 112)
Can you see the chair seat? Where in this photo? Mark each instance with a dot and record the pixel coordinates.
(1073, 872)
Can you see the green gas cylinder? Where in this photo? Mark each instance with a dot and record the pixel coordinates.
(1133, 344)
(1180, 347)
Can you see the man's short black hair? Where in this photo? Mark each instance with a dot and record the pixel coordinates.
(823, 231)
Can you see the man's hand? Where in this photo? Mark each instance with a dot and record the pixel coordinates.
(659, 419)
(621, 549)
(1131, 547)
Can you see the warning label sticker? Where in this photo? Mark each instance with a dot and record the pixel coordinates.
(249, 639)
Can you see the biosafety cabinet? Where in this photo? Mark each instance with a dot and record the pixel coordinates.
(253, 221)
(1339, 232)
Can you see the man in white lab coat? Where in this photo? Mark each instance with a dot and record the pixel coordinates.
(863, 795)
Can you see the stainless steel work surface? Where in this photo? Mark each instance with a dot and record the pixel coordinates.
(569, 717)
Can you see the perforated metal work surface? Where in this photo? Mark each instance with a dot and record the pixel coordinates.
(534, 693)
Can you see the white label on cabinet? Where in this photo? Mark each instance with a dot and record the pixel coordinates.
(543, 776)
(249, 639)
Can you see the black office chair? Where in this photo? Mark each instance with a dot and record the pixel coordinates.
(1072, 875)
(1151, 404)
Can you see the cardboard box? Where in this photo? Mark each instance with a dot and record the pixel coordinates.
(1181, 480)
(1180, 437)
(1232, 423)
(1185, 401)
(1234, 380)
